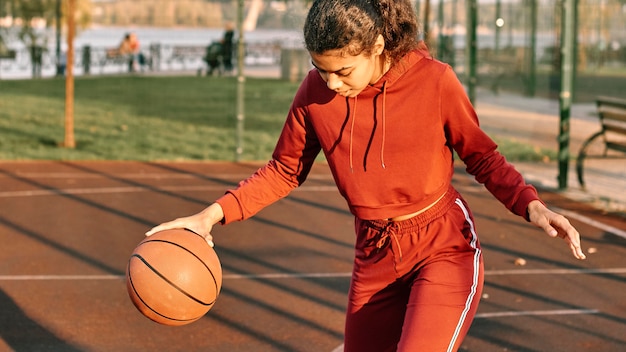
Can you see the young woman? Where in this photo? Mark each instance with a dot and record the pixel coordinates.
(387, 117)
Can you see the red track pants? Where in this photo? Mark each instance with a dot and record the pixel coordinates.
(416, 283)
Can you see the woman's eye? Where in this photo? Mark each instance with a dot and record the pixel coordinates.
(326, 74)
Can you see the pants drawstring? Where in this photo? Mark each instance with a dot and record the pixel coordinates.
(385, 234)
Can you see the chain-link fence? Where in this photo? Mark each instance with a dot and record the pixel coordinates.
(518, 44)
(517, 40)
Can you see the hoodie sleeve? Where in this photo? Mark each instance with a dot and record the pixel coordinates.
(479, 152)
(292, 159)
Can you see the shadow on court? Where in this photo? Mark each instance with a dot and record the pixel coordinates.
(68, 228)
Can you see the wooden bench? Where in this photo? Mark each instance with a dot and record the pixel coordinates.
(8, 54)
(113, 56)
(610, 138)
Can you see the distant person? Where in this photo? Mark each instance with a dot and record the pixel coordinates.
(213, 58)
(62, 64)
(227, 48)
(130, 48)
(36, 56)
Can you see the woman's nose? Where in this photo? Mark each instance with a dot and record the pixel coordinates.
(333, 82)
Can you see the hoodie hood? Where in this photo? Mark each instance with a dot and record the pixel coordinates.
(400, 68)
(378, 91)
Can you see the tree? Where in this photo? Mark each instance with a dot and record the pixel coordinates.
(33, 19)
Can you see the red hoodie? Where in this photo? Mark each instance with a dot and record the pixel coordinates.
(389, 148)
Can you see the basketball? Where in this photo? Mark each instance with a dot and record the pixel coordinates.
(174, 277)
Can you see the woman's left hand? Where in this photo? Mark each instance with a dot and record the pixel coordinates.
(555, 225)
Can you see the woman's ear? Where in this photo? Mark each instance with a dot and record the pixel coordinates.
(379, 45)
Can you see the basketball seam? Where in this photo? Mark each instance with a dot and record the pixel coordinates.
(217, 287)
(175, 286)
(146, 303)
(178, 288)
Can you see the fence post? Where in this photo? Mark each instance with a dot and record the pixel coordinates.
(241, 83)
(532, 56)
(86, 59)
(57, 11)
(472, 22)
(568, 57)
(155, 56)
(36, 55)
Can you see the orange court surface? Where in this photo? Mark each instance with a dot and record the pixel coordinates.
(67, 230)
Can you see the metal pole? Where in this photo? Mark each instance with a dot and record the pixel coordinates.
(471, 49)
(58, 37)
(418, 11)
(453, 46)
(241, 80)
(568, 58)
(532, 56)
(499, 25)
(69, 79)
(426, 16)
(512, 11)
(440, 43)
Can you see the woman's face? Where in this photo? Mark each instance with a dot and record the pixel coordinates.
(346, 74)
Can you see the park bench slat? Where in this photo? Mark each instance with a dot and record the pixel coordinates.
(612, 116)
(616, 146)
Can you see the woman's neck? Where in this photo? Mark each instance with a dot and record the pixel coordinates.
(383, 65)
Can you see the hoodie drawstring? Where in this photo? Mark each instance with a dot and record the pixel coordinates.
(384, 128)
(352, 132)
(390, 232)
(384, 118)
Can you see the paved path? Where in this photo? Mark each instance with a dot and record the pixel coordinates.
(536, 121)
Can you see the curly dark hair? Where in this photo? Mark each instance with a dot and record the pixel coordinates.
(354, 26)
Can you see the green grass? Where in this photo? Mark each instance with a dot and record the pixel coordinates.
(516, 151)
(141, 118)
(149, 118)
(588, 86)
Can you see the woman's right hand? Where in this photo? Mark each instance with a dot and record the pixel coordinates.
(200, 223)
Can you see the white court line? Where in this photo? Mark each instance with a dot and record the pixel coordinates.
(76, 191)
(536, 313)
(105, 190)
(59, 277)
(567, 213)
(338, 348)
(519, 314)
(139, 175)
(487, 273)
(286, 276)
(148, 175)
(80, 191)
(225, 277)
(273, 276)
(555, 271)
(591, 222)
(347, 274)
